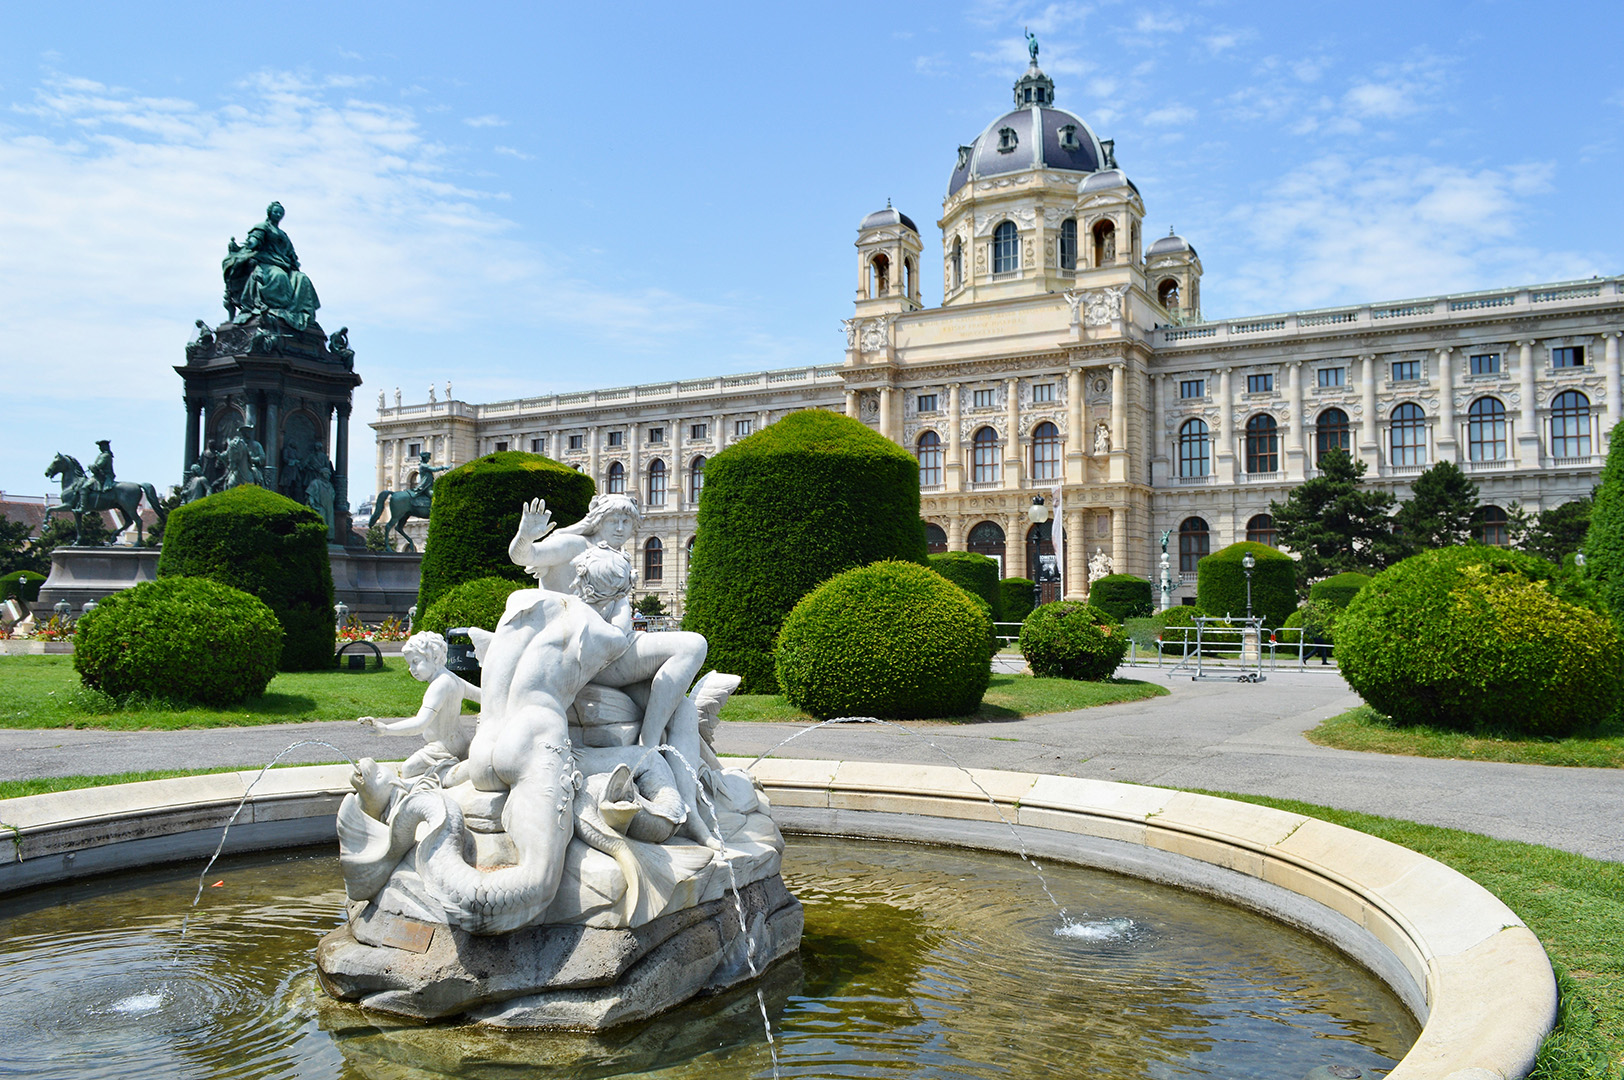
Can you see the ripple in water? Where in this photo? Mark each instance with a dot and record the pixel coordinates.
(1118, 929)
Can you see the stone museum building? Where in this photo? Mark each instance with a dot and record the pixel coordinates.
(1070, 353)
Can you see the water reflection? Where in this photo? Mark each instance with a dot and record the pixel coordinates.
(916, 962)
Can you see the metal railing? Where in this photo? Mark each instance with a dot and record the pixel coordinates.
(1181, 649)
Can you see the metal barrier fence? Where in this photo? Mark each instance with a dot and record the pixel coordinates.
(1216, 648)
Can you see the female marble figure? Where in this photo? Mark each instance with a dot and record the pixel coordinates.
(667, 661)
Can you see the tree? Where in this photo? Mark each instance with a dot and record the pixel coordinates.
(650, 606)
(15, 554)
(58, 532)
(1604, 541)
(1440, 512)
(1558, 532)
(1333, 523)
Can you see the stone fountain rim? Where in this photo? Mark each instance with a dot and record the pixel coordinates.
(1465, 964)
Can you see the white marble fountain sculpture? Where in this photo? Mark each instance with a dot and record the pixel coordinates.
(559, 869)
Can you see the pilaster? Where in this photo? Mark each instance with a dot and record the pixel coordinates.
(1445, 442)
(1528, 434)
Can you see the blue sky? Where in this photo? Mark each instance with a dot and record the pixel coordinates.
(530, 198)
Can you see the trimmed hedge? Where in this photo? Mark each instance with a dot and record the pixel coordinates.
(270, 547)
(476, 511)
(782, 511)
(1122, 596)
(23, 584)
(1476, 638)
(479, 602)
(1178, 633)
(183, 639)
(1317, 618)
(1070, 640)
(890, 639)
(1338, 591)
(1221, 582)
(975, 574)
(1015, 594)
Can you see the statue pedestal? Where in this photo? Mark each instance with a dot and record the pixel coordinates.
(375, 586)
(81, 574)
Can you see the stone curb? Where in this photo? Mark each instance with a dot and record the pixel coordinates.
(1464, 963)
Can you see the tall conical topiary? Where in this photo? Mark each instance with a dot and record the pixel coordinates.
(476, 511)
(783, 511)
(1221, 582)
(1604, 543)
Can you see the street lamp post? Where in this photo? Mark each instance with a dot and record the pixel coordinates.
(1038, 513)
(1247, 562)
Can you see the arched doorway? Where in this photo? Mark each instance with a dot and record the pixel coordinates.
(988, 539)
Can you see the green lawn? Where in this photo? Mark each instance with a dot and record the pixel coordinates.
(44, 692)
(1574, 904)
(1366, 729)
(1009, 697)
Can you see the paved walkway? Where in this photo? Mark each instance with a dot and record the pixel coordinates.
(1217, 735)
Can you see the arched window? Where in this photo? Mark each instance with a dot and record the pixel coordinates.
(907, 277)
(1068, 244)
(1260, 530)
(988, 539)
(1262, 444)
(1570, 425)
(1331, 431)
(1045, 452)
(617, 479)
(987, 457)
(696, 479)
(1486, 430)
(1195, 449)
(653, 559)
(1408, 435)
(1491, 526)
(1006, 249)
(656, 483)
(1168, 293)
(879, 276)
(958, 262)
(1195, 542)
(935, 539)
(930, 459)
(1104, 242)
(688, 567)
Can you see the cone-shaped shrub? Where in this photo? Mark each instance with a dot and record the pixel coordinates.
(1016, 594)
(890, 639)
(783, 511)
(1122, 596)
(1338, 591)
(479, 602)
(1604, 542)
(1221, 582)
(975, 574)
(182, 639)
(476, 511)
(270, 547)
(1476, 638)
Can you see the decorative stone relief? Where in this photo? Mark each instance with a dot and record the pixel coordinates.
(1101, 306)
(868, 405)
(876, 333)
(1074, 300)
(850, 327)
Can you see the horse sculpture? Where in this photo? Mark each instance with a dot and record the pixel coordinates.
(402, 505)
(80, 496)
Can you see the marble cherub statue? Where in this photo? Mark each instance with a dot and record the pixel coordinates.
(439, 721)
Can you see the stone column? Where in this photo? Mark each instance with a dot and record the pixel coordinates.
(1297, 424)
(1153, 441)
(954, 474)
(270, 439)
(1075, 585)
(189, 457)
(1013, 461)
(1528, 434)
(1119, 541)
(1610, 371)
(1076, 437)
(1369, 448)
(341, 461)
(1015, 526)
(1223, 449)
(955, 532)
(1445, 443)
(721, 431)
(634, 468)
(677, 475)
(592, 456)
(851, 404)
(887, 428)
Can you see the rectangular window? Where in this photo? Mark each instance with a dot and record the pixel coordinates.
(741, 428)
(1486, 363)
(656, 435)
(1568, 356)
(1260, 384)
(414, 449)
(1190, 388)
(538, 446)
(1407, 371)
(927, 403)
(983, 399)
(698, 431)
(501, 447)
(1332, 376)
(1042, 392)
(616, 438)
(575, 442)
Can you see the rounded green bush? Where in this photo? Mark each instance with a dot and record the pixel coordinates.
(1476, 638)
(23, 584)
(1070, 640)
(975, 574)
(1123, 596)
(890, 639)
(479, 602)
(1338, 591)
(1317, 619)
(1221, 582)
(784, 510)
(270, 547)
(476, 512)
(1015, 594)
(184, 639)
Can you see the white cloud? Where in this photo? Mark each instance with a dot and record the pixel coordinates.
(934, 64)
(488, 120)
(1225, 40)
(511, 152)
(1170, 116)
(1148, 23)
